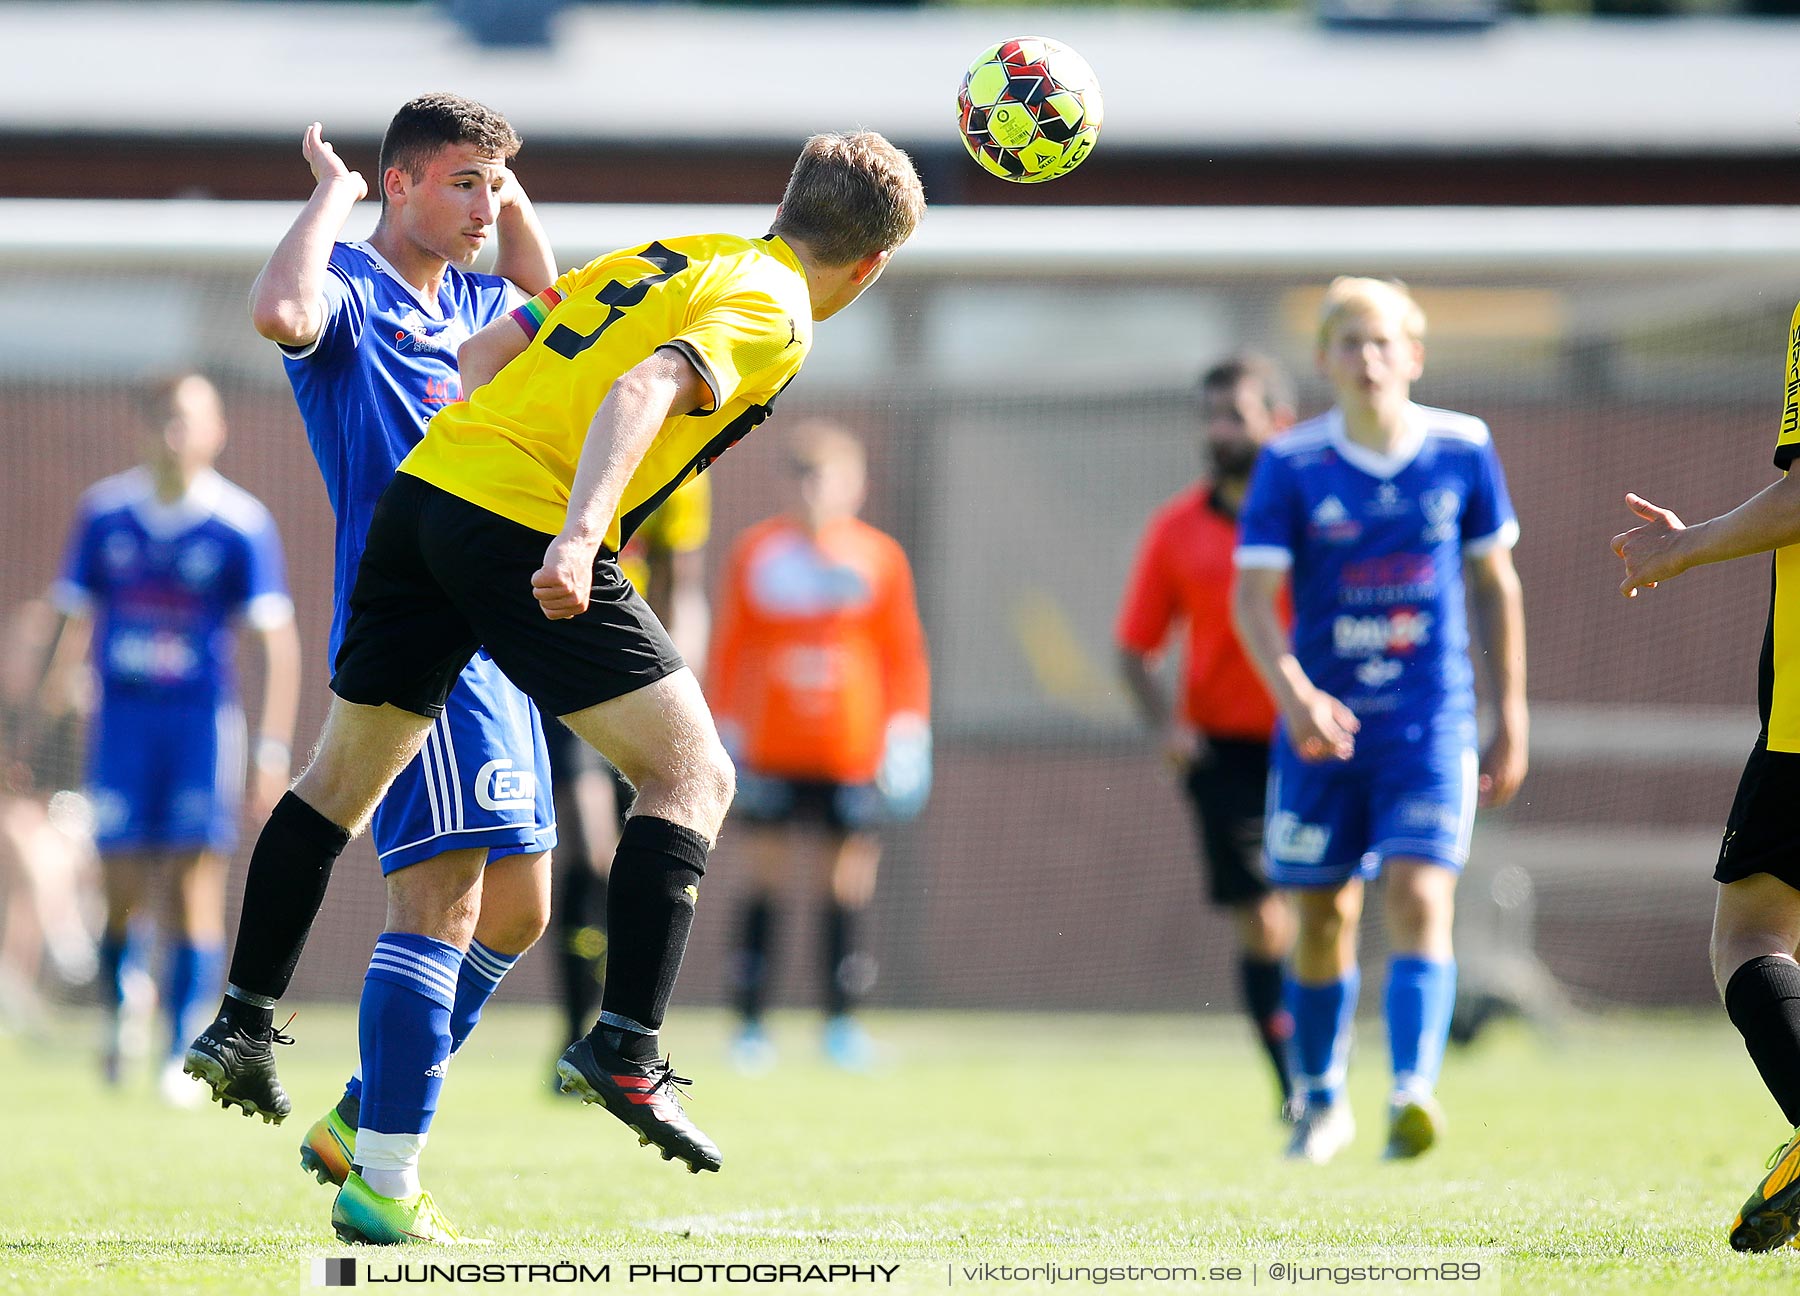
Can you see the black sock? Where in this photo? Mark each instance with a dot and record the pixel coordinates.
(1763, 1001)
(1260, 980)
(650, 911)
(753, 963)
(580, 945)
(283, 890)
(849, 974)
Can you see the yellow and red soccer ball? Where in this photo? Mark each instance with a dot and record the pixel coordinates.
(1029, 109)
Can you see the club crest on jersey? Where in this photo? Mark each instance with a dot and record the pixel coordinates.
(1440, 508)
(498, 786)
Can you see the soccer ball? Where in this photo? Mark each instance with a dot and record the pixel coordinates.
(1029, 109)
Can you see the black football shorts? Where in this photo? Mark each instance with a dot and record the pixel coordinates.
(441, 577)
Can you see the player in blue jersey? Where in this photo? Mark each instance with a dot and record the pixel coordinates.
(369, 331)
(1379, 514)
(164, 563)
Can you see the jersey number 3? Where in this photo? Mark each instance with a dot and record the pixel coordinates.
(566, 342)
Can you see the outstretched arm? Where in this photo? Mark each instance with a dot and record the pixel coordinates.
(663, 385)
(286, 302)
(1664, 546)
(1500, 612)
(524, 256)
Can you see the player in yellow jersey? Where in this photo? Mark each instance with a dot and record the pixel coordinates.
(587, 407)
(1756, 923)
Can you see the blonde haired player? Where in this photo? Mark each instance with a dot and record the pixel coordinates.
(1377, 514)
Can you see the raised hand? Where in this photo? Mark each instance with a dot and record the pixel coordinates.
(327, 166)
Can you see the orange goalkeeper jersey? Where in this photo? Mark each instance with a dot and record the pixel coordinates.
(817, 646)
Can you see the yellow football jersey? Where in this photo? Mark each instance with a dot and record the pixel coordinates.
(737, 308)
(1779, 683)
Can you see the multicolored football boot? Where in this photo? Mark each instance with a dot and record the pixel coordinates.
(1772, 1215)
(329, 1147)
(641, 1094)
(360, 1214)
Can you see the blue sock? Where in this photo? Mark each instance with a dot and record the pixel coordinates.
(482, 969)
(404, 1030)
(1322, 1016)
(120, 956)
(112, 970)
(480, 975)
(192, 982)
(1421, 993)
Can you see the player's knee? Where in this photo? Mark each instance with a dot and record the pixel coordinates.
(715, 785)
(514, 931)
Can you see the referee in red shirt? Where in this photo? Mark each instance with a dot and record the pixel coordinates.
(1217, 741)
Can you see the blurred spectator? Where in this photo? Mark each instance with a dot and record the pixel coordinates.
(820, 683)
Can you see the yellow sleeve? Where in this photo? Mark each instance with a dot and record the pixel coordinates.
(1787, 444)
(739, 341)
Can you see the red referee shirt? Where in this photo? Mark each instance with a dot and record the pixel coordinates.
(1184, 573)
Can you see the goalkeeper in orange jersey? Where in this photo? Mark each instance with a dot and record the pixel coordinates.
(820, 683)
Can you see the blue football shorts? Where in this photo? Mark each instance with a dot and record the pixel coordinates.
(1406, 796)
(166, 774)
(482, 779)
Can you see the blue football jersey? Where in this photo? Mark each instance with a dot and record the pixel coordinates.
(384, 362)
(168, 583)
(1374, 545)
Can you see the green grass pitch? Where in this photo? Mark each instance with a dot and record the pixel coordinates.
(1609, 1160)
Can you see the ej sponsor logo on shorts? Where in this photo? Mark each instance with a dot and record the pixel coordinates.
(498, 786)
(1294, 842)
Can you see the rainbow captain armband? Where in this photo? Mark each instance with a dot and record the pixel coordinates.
(532, 314)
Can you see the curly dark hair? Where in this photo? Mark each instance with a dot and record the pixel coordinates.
(432, 121)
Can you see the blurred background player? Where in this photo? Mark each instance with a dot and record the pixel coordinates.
(665, 562)
(1217, 740)
(164, 562)
(822, 689)
(369, 333)
(1378, 515)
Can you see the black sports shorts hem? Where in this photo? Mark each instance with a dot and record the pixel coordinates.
(441, 577)
(1229, 792)
(1762, 834)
